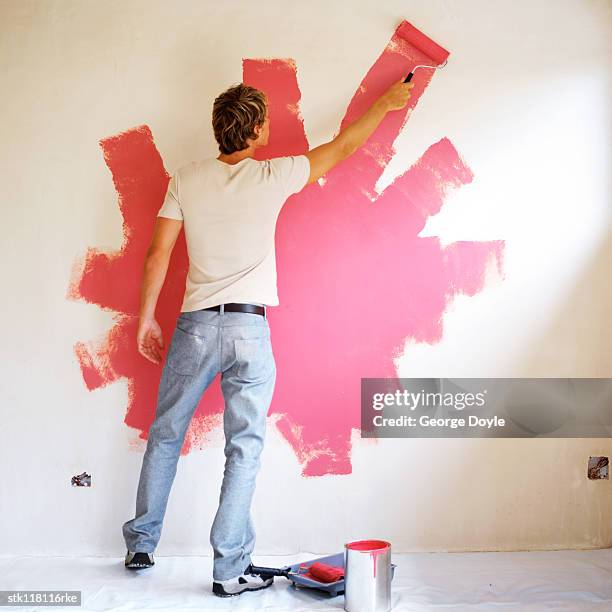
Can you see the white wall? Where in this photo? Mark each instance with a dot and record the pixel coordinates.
(526, 100)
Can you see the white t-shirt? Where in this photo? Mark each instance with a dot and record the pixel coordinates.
(229, 215)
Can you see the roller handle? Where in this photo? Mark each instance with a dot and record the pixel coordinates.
(270, 571)
(409, 78)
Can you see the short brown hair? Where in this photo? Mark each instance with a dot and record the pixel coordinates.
(235, 114)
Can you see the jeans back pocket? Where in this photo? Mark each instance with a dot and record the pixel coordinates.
(186, 352)
(254, 358)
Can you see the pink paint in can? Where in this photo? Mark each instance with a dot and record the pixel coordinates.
(374, 547)
(366, 588)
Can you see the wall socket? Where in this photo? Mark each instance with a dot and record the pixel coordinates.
(598, 468)
(81, 480)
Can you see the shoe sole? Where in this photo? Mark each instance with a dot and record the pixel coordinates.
(138, 566)
(263, 586)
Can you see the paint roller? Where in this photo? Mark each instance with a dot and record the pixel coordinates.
(437, 55)
(321, 572)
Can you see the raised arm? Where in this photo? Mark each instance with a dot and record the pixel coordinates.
(326, 156)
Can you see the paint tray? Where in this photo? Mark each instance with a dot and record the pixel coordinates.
(332, 588)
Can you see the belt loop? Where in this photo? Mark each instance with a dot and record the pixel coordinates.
(265, 314)
(222, 309)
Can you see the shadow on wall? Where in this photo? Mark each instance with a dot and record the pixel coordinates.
(581, 323)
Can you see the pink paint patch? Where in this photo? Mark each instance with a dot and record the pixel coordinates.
(355, 280)
(112, 281)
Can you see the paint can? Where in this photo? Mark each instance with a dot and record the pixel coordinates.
(367, 576)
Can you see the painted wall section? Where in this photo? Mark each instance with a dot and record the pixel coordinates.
(343, 251)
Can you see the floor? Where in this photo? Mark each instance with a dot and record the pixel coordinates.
(558, 580)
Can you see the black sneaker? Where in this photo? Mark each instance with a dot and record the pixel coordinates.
(239, 584)
(138, 560)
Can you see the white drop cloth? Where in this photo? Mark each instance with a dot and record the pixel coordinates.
(559, 580)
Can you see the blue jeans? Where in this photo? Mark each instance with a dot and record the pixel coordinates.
(206, 342)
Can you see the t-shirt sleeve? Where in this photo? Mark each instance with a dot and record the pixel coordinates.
(293, 172)
(171, 207)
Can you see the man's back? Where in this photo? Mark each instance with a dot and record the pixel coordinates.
(229, 213)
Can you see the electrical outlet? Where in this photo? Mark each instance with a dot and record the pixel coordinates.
(81, 480)
(598, 468)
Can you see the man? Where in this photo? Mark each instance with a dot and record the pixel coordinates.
(228, 207)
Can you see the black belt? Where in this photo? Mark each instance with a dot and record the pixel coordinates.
(239, 308)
